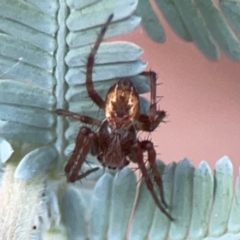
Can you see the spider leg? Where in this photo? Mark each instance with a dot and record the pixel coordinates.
(84, 141)
(81, 118)
(148, 146)
(150, 122)
(90, 63)
(138, 149)
(83, 175)
(77, 148)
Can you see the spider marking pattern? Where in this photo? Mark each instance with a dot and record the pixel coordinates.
(115, 143)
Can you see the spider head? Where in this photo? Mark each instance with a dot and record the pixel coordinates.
(122, 104)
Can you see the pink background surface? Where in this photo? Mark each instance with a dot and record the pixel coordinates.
(202, 99)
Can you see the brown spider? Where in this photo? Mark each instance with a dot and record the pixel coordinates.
(115, 142)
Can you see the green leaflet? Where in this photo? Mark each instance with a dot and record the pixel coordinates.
(43, 48)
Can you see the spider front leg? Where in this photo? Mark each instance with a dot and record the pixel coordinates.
(150, 122)
(138, 150)
(90, 63)
(84, 141)
(79, 117)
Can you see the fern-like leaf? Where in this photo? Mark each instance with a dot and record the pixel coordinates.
(207, 24)
(44, 45)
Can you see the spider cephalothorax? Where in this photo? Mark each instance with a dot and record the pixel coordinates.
(115, 143)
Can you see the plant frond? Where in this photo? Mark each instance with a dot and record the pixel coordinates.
(210, 25)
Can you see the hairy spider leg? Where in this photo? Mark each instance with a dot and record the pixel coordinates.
(150, 122)
(85, 174)
(78, 145)
(84, 141)
(138, 151)
(90, 63)
(79, 117)
(147, 145)
(153, 95)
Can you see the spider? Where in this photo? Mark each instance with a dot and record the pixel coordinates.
(115, 143)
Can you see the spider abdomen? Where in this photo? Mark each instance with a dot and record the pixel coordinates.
(122, 104)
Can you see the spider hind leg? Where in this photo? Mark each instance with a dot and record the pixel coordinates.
(138, 150)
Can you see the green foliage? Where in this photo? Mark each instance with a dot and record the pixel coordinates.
(44, 45)
(211, 26)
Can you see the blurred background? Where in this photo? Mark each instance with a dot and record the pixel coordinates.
(202, 99)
